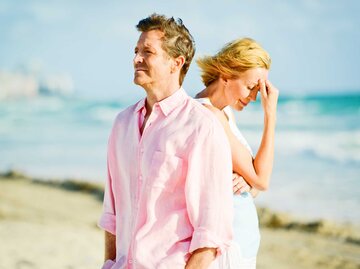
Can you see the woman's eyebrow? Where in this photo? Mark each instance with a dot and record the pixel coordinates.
(252, 84)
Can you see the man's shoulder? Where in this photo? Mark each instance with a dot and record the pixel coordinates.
(126, 113)
(201, 113)
(205, 123)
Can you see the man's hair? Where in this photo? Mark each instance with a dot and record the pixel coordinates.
(234, 58)
(177, 40)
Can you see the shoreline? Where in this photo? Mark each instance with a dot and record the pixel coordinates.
(268, 218)
(41, 210)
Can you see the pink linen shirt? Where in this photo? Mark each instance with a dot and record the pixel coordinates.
(169, 190)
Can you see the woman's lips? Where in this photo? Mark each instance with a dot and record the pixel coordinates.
(241, 102)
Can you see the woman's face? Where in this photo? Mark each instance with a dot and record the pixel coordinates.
(242, 90)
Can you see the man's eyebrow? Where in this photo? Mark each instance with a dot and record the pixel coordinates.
(148, 46)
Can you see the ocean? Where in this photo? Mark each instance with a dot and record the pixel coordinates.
(317, 160)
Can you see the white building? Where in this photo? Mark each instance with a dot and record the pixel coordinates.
(22, 84)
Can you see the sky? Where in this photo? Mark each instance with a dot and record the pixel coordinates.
(314, 45)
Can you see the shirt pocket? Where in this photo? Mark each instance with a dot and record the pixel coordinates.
(165, 171)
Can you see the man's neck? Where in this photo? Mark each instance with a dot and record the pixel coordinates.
(156, 94)
(153, 96)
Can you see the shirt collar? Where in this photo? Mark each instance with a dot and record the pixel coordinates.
(168, 104)
(171, 102)
(140, 105)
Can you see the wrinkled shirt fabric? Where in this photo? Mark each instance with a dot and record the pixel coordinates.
(169, 189)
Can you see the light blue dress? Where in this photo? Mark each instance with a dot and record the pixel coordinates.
(243, 251)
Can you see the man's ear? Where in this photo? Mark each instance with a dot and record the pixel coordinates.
(178, 63)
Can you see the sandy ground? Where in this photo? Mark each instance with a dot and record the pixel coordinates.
(48, 226)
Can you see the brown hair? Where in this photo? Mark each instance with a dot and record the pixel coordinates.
(177, 40)
(235, 57)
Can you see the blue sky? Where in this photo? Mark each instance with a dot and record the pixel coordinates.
(315, 45)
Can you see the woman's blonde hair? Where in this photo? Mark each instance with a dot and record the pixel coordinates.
(235, 57)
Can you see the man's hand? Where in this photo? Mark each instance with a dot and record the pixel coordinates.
(239, 184)
(201, 258)
(110, 246)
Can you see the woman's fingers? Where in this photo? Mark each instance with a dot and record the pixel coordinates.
(262, 88)
(270, 87)
(235, 186)
(240, 185)
(244, 188)
(269, 97)
(236, 180)
(238, 192)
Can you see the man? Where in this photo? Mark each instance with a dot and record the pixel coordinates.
(168, 197)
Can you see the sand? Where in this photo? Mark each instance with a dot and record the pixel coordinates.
(53, 225)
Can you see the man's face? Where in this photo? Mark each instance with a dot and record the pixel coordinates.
(151, 63)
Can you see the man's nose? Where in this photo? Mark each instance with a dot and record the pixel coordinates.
(137, 58)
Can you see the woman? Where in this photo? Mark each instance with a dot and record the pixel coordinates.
(233, 77)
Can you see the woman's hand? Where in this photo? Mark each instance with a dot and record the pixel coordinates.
(269, 97)
(239, 184)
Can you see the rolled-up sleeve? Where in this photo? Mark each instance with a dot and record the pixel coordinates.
(208, 190)
(107, 219)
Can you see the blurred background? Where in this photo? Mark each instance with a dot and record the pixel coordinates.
(66, 71)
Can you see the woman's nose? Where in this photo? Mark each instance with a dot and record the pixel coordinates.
(253, 95)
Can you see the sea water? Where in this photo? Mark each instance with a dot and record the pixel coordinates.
(317, 152)
(317, 156)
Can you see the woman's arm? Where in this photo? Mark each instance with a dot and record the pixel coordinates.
(255, 171)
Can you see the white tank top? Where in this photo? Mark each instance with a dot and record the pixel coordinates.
(232, 123)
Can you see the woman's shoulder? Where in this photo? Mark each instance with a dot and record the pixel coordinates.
(229, 113)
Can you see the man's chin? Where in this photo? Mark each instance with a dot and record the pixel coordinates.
(141, 82)
(138, 81)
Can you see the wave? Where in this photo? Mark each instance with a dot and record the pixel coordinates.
(338, 146)
(341, 146)
(344, 103)
(315, 127)
(104, 114)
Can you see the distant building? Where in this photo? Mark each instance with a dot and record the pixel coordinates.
(21, 84)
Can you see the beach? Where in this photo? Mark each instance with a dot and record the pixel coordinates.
(317, 147)
(53, 224)
(67, 75)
